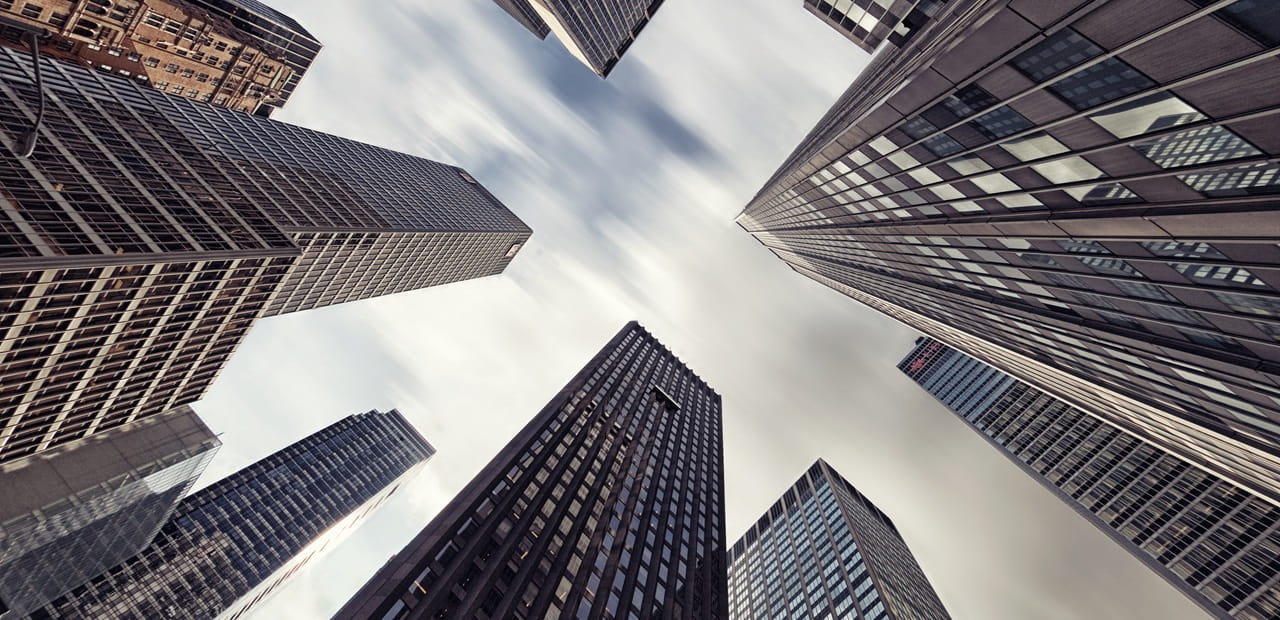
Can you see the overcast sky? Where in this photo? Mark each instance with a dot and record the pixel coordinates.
(631, 186)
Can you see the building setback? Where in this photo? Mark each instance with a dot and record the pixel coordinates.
(1078, 193)
(609, 503)
(868, 23)
(237, 54)
(1218, 543)
(596, 32)
(825, 551)
(148, 232)
(242, 532)
(73, 512)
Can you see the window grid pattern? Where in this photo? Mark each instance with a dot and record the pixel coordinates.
(1213, 540)
(148, 232)
(229, 538)
(608, 504)
(599, 31)
(969, 236)
(825, 551)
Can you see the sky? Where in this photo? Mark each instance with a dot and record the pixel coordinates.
(631, 186)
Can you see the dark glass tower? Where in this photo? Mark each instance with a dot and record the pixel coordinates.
(1081, 194)
(609, 503)
(825, 551)
(148, 232)
(596, 32)
(241, 532)
(1216, 542)
(868, 23)
(70, 513)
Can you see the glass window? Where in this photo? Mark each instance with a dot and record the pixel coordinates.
(918, 128)
(1110, 265)
(882, 145)
(995, 183)
(1237, 181)
(968, 100)
(1250, 304)
(947, 192)
(970, 164)
(1143, 290)
(1178, 249)
(1196, 146)
(1000, 122)
(1068, 170)
(1178, 315)
(1019, 201)
(1078, 246)
(1159, 111)
(1219, 275)
(1034, 146)
(1102, 193)
(902, 160)
(1106, 81)
(942, 145)
(1061, 51)
(925, 176)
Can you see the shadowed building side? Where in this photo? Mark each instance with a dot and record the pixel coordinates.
(610, 502)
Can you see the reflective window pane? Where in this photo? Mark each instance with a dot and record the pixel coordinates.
(969, 165)
(1000, 122)
(918, 128)
(943, 145)
(1259, 18)
(1219, 275)
(1061, 51)
(1196, 146)
(1068, 170)
(1178, 249)
(1102, 193)
(1237, 181)
(1106, 81)
(1147, 114)
(1034, 146)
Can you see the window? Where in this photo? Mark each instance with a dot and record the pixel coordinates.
(1236, 181)
(1106, 81)
(1178, 249)
(1250, 304)
(32, 10)
(1069, 170)
(1143, 290)
(1159, 111)
(967, 101)
(1034, 146)
(1110, 265)
(918, 128)
(1196, 146)
(1219, 275)
(1061, 51)
(1000, 122)
(943, 145)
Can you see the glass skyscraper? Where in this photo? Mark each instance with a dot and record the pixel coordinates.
(825, 551)
(1081, 194)
(229, 545)
(70, 513)
(148, 232)
(608, 504)
(596, 32)
(1216, 542)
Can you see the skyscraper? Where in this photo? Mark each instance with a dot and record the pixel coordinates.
(1215, 541)
(237, 54)
(1080, 194)
(596, 32)
(609, 503)
(825, 551)
(148, 232)
(71, 513)
(228, 539)
(868, 23)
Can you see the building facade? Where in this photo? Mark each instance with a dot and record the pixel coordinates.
(71, 513)
(1218, 543)
(237, 54)
(609, 503)
(148, 232)
(596, 32)
(868, 23)
(228, 539)
(825, 551)
(1081, 194)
